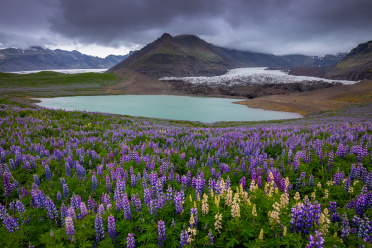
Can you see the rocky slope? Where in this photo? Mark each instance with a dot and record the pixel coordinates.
(356, 65)
(37, 58)
(188, 55)
(183, 55)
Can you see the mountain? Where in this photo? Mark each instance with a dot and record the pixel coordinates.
(356, 65)
(253, 59)
(188, 55)
(37, 58)
(183, 55)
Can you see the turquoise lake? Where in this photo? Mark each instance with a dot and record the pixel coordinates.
(203, 109)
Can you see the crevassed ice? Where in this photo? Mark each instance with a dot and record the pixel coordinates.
(252, 76)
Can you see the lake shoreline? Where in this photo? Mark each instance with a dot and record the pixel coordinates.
(186, 108)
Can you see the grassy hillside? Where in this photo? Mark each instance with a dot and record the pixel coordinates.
(54, 84)
(357, 65)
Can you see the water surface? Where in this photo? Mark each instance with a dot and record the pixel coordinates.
(203, 109)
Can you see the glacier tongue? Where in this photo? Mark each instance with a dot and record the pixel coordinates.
(252, 76)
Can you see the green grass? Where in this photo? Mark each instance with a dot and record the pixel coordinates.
(50, 79)
(54, 84)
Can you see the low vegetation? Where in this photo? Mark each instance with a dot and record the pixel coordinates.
(78, 179)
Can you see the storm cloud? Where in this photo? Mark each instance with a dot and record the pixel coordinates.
(273, 26)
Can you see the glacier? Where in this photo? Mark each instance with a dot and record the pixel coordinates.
(252, 76)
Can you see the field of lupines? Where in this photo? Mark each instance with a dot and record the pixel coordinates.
(75, 179)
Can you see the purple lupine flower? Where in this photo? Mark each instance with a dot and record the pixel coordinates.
(52, 212)
(64, 214)
(194, 212)
(101, 208)
(59, 196)
(94, 183)
(71, 212)
(304, 216)
(311, 181)
(178, 203)
(70, 230)
(36, 180)
(7, 185)
(330, 160)
(130, 240)
(111, 227)
(332, 207)
(161, 233)
(345, 232)
(20, 207)
(152, 207)
(48, 174)
(211, 238)
(108, 184)
(137, 203)
(92, 205)
(316, 241)
(360, 205)
(184, 237)
(98, 226)
(65, 191)
(83, 211)
(126, 208)
(347, 184)
(10, 223)
(68, 169)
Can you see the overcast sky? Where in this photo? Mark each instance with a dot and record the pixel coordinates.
(102, 27)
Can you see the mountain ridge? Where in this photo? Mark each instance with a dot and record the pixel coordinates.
(356, 65)
(38, 58)
(188, 55)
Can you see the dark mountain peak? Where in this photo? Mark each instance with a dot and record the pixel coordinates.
(166, 36)
(182, 55)
(362, 48)
(188, 55)
(356, 65)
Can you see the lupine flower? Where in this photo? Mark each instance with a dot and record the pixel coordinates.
(70, 230)
(345, 232)
(65, 191)
(316, 240)
(130, 240)
(20, 207)
(112, 227)
(36, 180)
(7, 185)
(83, 211)
(178, 203)
(184, 237)
(52, 212)
(194, 214)
(94, 183)
(98, 225)
(10, 223)
(217, 224)
(48, 174)
(161, 233)
(211, 238)
(126, 208)
(108, 184)
(59, 196)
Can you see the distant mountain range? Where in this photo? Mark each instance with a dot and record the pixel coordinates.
(188, 55)
(38, 58)
(356, 65)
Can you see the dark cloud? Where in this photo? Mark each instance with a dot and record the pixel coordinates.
(274, 26)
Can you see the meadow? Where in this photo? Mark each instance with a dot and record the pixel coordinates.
(80, 179)
(51, 84)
